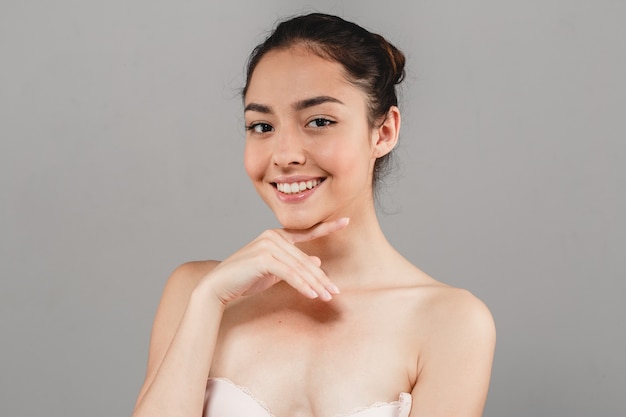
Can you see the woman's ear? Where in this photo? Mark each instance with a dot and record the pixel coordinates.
(386, 133)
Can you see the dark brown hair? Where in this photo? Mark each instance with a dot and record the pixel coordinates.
(371, 63)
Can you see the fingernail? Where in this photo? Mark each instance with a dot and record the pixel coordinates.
(344, 220)
(333, 288)
(325, 295)
(312, 293)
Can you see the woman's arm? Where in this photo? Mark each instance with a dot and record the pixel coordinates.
(181, 346)
(454, 365)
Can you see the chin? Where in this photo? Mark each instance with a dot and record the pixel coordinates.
(300, 219)
(296, 223)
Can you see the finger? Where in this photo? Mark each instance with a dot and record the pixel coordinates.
(315, 232)
(279, 244)
(293, 277)
(317, 261)
(307, 267)
(267, 262)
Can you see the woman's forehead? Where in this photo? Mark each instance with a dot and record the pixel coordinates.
(296, 74)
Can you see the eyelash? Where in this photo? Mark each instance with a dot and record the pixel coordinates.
(326, 122)
(252, 127)
(266, 127)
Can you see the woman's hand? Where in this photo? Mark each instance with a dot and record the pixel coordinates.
(273, 257)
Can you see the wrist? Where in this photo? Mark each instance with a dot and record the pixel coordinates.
(205, 296)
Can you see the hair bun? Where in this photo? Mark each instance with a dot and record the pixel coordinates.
(396, 59)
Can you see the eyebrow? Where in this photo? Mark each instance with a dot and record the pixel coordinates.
(298, 105)
(314, 101)
(258, 108)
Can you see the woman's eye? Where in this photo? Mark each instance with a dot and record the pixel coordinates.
(320, 122)
(260, 127)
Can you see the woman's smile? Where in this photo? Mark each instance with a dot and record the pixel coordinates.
(296, 190)
(295, 186)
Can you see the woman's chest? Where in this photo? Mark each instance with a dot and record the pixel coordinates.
(335, 359)
(226, 399)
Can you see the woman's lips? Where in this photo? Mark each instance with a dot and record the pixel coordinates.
(294, 190)
(297, 186)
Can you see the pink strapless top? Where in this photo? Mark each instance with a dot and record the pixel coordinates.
(225, 399)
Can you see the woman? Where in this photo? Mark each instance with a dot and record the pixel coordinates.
(322, 317)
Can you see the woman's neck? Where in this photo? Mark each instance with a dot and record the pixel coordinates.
(351, 255)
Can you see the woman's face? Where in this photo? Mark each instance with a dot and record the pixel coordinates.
(309, 149)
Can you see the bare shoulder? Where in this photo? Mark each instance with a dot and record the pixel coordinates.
(439, 316)
(458, 307)
(184, 278)
(172, 306)
(176, 293)
(175, 298)
(444, 307)
(453, 315)
(455, 335)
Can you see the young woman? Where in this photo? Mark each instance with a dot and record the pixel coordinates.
(322, 317)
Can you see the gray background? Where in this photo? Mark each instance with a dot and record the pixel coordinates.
(120, 158)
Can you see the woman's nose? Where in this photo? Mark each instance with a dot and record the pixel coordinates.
(289, 149)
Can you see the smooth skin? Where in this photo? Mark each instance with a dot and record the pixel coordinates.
(322, 316)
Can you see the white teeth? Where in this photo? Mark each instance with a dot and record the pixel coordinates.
(296, 187)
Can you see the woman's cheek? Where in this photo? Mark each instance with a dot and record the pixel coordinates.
(252, 160)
